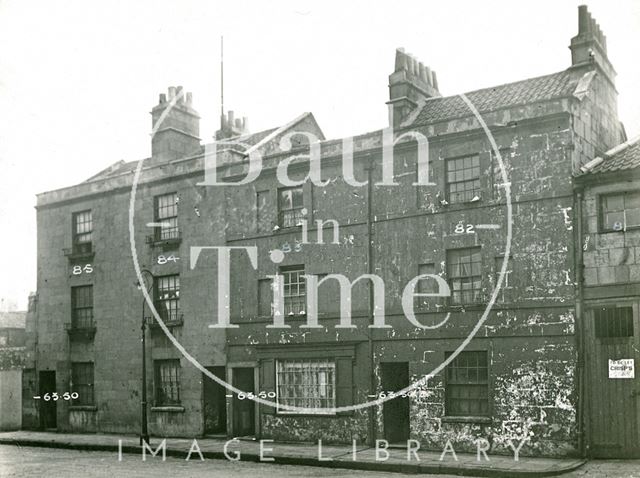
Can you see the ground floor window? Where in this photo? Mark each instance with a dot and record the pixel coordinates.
(467, 385)
(613, 322)
(310, 384)
(82, 382)
(167, 381)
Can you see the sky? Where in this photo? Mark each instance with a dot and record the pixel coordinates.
(79, 78)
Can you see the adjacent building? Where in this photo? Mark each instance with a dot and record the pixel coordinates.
(521, 376)
(12, 351)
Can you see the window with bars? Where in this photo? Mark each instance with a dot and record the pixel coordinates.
(82, 232)
(463, 179)
(167, 214)
(295, 290)
(611, 322)
(167, 381)
(167, 297)
(290, 206)
(467, 385)
(309, 384)
(82, 382)
(82, 307)
(464, 269)
(620, 212)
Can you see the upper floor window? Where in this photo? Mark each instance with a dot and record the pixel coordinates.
(613, 322)
(295, 290)
(465, 275)
(167, 292)
(166, 213)
(82, 307)
(463, 179)
(82, 382)
(467, 385)
(621, 211)
(290, 206)
(82, 232)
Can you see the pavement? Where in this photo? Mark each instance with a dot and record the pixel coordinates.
(332, 456)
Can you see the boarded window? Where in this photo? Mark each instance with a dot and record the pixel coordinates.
(265, 296)
(467, 385)
(506, 290)
(82, 382)
(309, 384)
(613, 322)
(82, 307)
(464, 275)
(620, 212)
(167, 381)
(166, 213)
(262, 211)
(463, 179)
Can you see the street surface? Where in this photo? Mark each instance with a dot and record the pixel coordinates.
(33, 462)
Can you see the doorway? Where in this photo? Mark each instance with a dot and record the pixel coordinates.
(612, 355)
(244, 419)
(395, 377)
(48, 409)
(215, 403)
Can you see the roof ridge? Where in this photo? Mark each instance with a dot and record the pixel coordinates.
(622, 146)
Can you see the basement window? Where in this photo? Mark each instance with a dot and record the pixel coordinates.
(613, 322)
(463, 179)
(620, 212)
(309, 384)
(82, 383)
(167, 381)
(467, 385)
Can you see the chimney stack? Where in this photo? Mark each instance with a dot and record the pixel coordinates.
(589, 46)
(231, 126)
(411, 82)
(177, 134)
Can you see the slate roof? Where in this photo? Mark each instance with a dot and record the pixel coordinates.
(13, 320)
(623, 157)
(542, 88)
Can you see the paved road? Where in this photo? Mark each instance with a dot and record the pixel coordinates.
(28, 462)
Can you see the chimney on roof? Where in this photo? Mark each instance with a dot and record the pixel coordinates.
(589, 46)
(231, 126)
(410, 82)
(175, 126)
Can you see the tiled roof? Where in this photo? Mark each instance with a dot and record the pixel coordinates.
(12, 320)
(623, 157)
(547, 87)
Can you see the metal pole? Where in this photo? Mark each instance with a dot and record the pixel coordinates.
(144, 432)
(370, 269)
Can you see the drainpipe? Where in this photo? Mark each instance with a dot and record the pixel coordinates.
(372, 384)
(583, 428)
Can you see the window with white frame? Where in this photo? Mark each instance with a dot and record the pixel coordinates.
(295, 290)
(166, 213)
(309, 384)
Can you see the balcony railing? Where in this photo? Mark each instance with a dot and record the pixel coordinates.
(81, 251)
(81, 328)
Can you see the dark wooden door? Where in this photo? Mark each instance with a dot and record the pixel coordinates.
(612, 333)
(395, 377)
(215, 403)
(47, 384)
(243, 410)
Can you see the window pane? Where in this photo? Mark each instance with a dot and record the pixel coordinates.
(463, 179)
(167, 373)
(306, 383)
(466, 387)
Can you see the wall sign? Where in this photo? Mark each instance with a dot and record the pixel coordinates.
(623, 368)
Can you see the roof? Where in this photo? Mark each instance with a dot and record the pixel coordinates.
(542, 88)
(12, 320)
(623, 157)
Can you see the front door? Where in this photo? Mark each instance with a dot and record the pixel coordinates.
(215, 403)
(395, 377)
(47, 386)
(612, 356)
(243, 410)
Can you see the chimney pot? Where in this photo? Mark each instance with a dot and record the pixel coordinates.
(163, 98)
(434, 80)
(230, 118)
(238, 123)
(189, 98)
(583, 19)
(172, 92)
(245, 123)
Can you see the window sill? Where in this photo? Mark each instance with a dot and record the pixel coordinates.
(83, 408)
(166, 244)
(486, 420)
(168, 409)
(78, 256)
